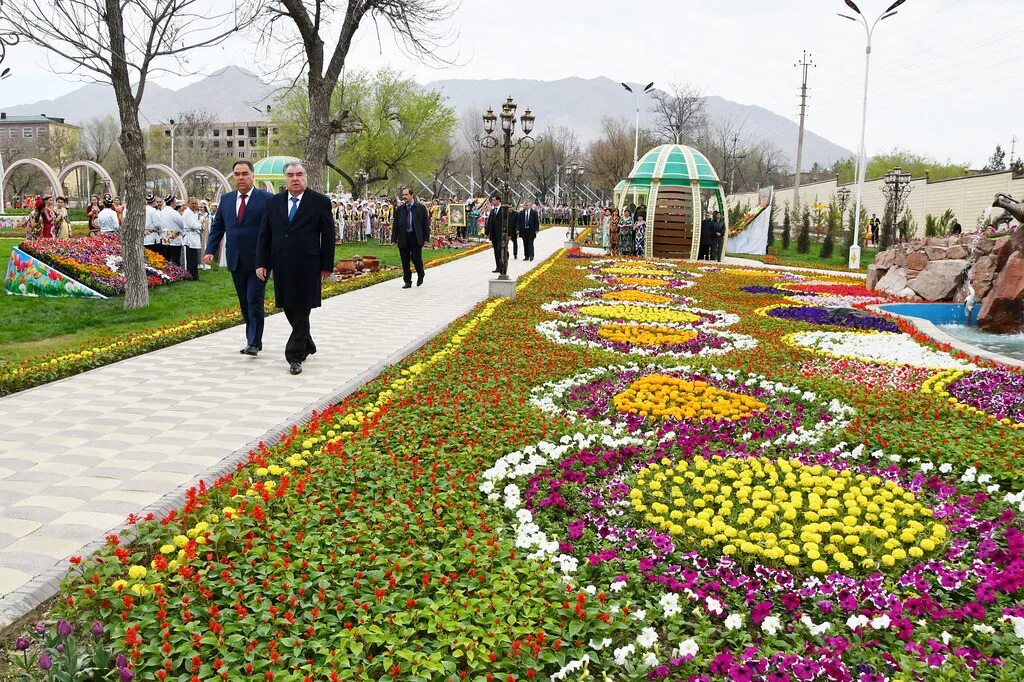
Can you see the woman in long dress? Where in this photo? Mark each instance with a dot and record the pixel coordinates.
(613, 231)
(62, 223)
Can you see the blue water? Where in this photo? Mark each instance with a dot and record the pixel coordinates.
(936, 313)
(950, 317)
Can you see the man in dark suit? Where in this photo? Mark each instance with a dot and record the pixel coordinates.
(296, 242)
(718, 241)
(411, 230)
(707, 236)
(238, 221)
(529, 224)
(498, 216)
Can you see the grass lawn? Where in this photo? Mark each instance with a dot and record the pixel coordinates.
(779, 256)
(34, 326)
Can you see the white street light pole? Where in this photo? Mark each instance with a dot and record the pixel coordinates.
(862, 161)
(636, 137)
(173, 128)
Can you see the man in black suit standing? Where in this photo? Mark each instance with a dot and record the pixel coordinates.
(718, 243)
(529, 224)
(296, 242)
(499, 215)
(411, 230)
(238, 221)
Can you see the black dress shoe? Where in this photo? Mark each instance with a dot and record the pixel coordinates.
(419, 281)
(311, 351)
(495, 270)
(295, 367)
(250, 350)
(407, 285)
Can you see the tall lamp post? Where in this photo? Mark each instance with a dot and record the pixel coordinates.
(896, 190)
(514, 157)
(842, 198)
(260, 111)
(637, 96)
(575, 172)
(174, 127)
(862, 161)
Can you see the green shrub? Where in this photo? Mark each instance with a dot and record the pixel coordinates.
(803, 239)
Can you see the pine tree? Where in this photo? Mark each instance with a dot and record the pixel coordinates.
(771, 225)
(829, 243)
(786, 228)
(803, 239)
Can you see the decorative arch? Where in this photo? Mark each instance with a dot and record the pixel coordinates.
(225, 186)
(179, 186)
(51, 176)
(91, 165)
(269, 186)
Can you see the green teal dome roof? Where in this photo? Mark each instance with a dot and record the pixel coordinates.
(673, 164)
(621, 186)
(272, 165)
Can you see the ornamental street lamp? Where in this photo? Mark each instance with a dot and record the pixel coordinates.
(896, 190)
(173, 128)
(514, 157)
(854, 261)
(575, 172)
(842, 196)
(361, 177)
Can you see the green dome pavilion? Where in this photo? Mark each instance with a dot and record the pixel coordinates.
(675, 182)
(269, 172)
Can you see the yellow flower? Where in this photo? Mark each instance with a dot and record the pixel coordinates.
(645, 335)
(137, 572)
(819, 566)
(634, 295)
(119, 585)
(180, 541)
(167, 549)
(140, 590)
(636, 313)
(666, 397)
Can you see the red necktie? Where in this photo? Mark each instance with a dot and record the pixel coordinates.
(241, 211)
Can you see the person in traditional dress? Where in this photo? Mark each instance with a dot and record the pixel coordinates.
(107, 219)
(172, 227)
(640, 234)
(61, 221)
(34, 222)
(613, 231)
(152, 226)
(92, 213)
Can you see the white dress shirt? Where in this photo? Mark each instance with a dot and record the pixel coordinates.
(238, 201)
(152, 234)
(193, 236)
(107, 220)
(296, 204)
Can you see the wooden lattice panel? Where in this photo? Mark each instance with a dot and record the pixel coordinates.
(673, 222)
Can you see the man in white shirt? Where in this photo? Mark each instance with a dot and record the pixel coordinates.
(192, 239)
(172, 227)
(107, 219)
(151, 236)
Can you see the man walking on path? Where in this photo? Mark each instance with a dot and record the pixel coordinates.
(238, 221)
(411, 230)
(529, 224)
(296, 242)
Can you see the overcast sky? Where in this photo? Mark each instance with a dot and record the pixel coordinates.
(947, 77)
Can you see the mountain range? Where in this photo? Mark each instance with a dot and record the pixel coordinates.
(578, 103)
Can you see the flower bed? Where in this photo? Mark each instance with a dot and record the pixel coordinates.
(96, 262)
(998, 393)
(644, 340)
(646, 313)
(832, 317)
(878, 347)
(500, 508)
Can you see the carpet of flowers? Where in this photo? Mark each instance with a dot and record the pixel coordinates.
(96, 262)
(830, 317)
(499, 507)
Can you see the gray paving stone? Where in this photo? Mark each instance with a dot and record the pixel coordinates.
(31, 513)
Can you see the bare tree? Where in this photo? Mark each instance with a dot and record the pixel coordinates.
(725, 142)
(483, 164)
(123, 43)
(98, 139)
(678, 112)
(609, 158)
(305, 28)
(557, 148)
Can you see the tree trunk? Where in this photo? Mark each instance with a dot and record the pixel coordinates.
(319, 131)
(136, 286)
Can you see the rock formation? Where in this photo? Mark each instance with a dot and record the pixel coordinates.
(938, 268)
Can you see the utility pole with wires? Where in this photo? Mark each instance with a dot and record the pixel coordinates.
(805, 63)
(731, 161)
(1013, 148)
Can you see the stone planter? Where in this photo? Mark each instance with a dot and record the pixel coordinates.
(346, 267)
(371, 264)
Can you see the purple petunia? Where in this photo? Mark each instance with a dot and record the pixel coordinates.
(998, 392)
(833, 317)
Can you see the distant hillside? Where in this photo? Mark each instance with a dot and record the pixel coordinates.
(219, 94)
(579, 103)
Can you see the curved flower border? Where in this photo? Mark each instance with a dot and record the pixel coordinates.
(709, 318)
(938, 385)
(808, 341)
(553, 330)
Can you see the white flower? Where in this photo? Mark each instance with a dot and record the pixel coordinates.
(881, 622)
(945, 637)
(648, 638)
(946, 468)
(1018, 625)
(816, 630)
(622, 653)
(688, 647)
(983, 629)
(598, 645)
(670, 604)
(734, 622)
(771, 625)
(714, 606)
(858, 621)
(888, 347)
(639, 614)
(651, 659)
(570, 667)
(927, 466)
(617, 585)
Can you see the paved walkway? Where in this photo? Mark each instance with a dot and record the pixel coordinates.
(79, 455)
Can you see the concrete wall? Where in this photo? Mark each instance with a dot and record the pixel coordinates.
(968, 197)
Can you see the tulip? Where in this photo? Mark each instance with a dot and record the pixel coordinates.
(63, 628)
(44, 661)
(126, 675)
(121, 661)
(22, 643)
(97, 628)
